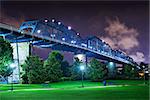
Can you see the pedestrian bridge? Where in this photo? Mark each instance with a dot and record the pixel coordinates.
(54, 34)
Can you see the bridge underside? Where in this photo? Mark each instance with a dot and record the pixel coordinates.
(15, 37)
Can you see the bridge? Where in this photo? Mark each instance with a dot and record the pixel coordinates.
(55, 35)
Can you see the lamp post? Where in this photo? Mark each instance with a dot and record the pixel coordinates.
(82, 69)
(145, 72)
(12, 66)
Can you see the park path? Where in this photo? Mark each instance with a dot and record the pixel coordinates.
(69, 88)
(66, 88)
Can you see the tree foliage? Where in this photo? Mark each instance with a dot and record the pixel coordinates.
(65, 67)
(97, 70)
(130, 72)
(52, 67)
(6, 57)
(33, 70)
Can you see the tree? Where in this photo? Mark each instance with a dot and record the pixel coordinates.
(33, 70)
(52, 67)
(65, 67)
(6, 58)
(130, 72)
(97, 70)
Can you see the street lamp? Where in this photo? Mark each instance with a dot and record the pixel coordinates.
(13, 65)
(111, 64)
(145, 72)
(38, 31)
(82, 69)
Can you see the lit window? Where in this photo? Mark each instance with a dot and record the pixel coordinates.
(90, 47)
(63, 39)
(52, 35)
(73, 41)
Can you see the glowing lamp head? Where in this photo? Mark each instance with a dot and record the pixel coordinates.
(69, 27)
(82, 68)
(146, 71)
(143, 66)
(111, 64)
(38, 31)
(22, 32)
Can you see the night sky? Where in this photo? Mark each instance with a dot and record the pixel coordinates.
(124, 25)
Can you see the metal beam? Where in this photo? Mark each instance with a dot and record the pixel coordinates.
(8, 27)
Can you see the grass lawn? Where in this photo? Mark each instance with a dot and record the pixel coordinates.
(72, 91)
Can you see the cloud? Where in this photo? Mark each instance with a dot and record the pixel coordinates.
(128, 43)
(138, 57)
(118, 29)
(120, 36)
(123, 37)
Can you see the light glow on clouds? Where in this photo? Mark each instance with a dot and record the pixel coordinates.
(128, 43)
(124, 38)
(138, 57)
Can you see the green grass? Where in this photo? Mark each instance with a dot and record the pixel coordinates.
(74, 84)
(111, 93)
(71, 91)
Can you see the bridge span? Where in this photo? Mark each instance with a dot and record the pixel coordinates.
(53, 34)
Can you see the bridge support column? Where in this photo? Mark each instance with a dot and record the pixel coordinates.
(30, 47)
(82, 58)
(17, 50)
